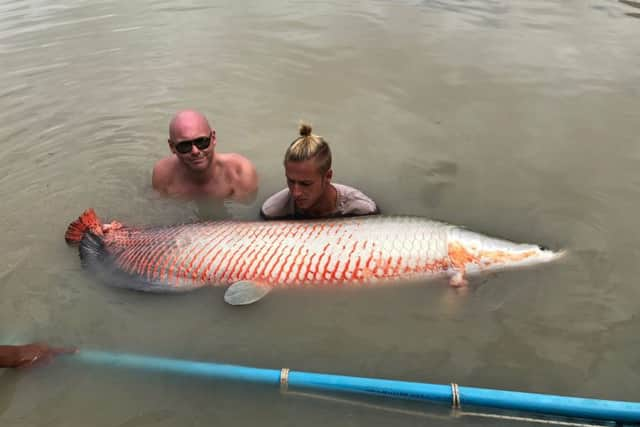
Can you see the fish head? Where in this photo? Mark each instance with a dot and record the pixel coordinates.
(473, 252)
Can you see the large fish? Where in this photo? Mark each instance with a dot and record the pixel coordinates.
(254, 257)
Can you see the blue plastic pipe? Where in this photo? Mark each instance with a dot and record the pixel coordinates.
(575, 407)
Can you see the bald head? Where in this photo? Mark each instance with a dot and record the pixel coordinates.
(188, 124)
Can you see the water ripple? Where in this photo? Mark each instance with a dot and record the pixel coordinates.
(517, 118)
(49, 25)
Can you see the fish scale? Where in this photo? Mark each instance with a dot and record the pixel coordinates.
(279, 253)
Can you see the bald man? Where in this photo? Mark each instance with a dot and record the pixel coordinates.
(195, 170)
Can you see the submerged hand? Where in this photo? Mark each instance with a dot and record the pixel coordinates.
(112, 226)
(28, 355)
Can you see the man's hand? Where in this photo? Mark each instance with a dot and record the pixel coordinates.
(29, 355)
(112, 226)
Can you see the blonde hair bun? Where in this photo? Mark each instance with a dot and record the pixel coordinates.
(305, 129)
(309, 146)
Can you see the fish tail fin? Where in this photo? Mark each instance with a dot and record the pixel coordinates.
(87, 222)
(92, 249)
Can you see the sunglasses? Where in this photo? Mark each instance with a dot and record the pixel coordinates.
(184, 147)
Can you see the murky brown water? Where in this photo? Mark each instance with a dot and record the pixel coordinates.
(519, 120)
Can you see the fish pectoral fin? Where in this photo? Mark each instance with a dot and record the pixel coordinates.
(457, 280)
(245, 292)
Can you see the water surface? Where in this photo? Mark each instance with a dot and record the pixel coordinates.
(515, 119)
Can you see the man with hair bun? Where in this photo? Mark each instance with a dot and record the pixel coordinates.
(310, 192)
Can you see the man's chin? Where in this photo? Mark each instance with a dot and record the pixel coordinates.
(198, 166)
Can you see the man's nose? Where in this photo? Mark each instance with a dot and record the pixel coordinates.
(296, 190)
(194, 149)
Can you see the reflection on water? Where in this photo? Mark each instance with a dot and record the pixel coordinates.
(7, 389)
(212, 211)
(632, 4)
(515, 119)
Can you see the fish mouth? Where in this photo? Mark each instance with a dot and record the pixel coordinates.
(522, 258)
(551, 255)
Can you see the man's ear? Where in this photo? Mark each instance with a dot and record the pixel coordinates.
(173, 150)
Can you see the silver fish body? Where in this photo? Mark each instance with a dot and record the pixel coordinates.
(336, 252)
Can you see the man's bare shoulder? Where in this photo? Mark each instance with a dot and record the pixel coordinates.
(236, 166)
(234, 160)
(163, 170)
(240, 173)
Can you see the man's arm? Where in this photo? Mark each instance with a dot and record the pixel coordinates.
(277, 206)
(9, 356)
(356, 203)
(23, 356)
(160, 176)
(244, 178)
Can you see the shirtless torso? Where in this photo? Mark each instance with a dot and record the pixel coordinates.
(230, 176)
(195, 170)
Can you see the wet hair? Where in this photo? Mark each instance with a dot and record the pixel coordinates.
(309, 146)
